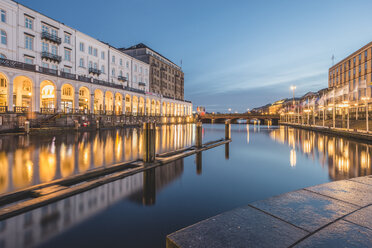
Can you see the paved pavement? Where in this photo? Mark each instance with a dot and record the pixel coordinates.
(335, 214)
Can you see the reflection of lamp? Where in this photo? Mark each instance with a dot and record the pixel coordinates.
(29, 93)
(292, 158)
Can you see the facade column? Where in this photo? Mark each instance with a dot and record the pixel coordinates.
(92, 103)
(113, 104)
(104, 102)
(10, 96)
(58, 107)
(76, 100)
(36, 98)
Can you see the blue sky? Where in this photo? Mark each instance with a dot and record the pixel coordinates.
(236, 54)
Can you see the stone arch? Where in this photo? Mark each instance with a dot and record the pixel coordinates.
(172, 109)
(118, 103)
(48, 98)
(153, 106)
(84, 99)
(157, 108)
(168, 108)
(135, 105)
(128, 104)
(164, 108)
(3, 92)
(141, 106)
(148, 106)
(22, 94)
(98, 101)
(67, 98)
(109, 102)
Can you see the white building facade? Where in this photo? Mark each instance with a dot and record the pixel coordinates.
(48, 67)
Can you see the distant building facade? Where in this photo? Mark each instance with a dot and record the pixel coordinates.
(166, 78)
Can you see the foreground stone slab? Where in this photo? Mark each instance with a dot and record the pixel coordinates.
(339, 234)
(346, 190)
(361, 217)
(305, 209)
(243, 227)
(365, 180)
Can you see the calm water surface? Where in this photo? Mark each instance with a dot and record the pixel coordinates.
(139, 211)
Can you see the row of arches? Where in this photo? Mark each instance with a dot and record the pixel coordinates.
(20, 96)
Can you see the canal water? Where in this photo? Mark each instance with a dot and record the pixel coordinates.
(140, 210)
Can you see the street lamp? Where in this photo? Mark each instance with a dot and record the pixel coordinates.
(365, 99)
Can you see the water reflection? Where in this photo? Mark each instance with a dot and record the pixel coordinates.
(40, 225)
(344, 158)
(26, 161)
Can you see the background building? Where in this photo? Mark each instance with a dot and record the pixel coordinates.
(166, 78)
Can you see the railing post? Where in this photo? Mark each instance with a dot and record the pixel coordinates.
(199, 137)
(227, 130)
(148, 142)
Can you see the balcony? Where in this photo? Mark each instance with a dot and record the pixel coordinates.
(122, 79)
(141, 84)
(53, 38)
(94, 71)
(50, 56)
(48, 71)
(68, 75)
(17, 65)
(84, 79)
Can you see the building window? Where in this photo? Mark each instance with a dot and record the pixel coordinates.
(67, 69)
(53, 31)
(127, 64)
(81, 47)
(102, 55)
(360, 68)
(90, 50)
(121, 62)
(81, 63)
(4, 38)
(135, 67)
(3, 15)
(127, 75)
(45, 47)
(365, 67)
(90, 64)
(360, 57)
(45, 28)
(121, 73)
(95, 52)
(354, 60)
(103, 69)
(134, 79)
(29, 60)
(67, 55)
(113, 72)
(54, 67)
(141, 69)
(54, 50)
(67, 39)
(28, 22)
(95, 66)
(29, 42)
(45, 65)
(2, 56)
(146, 72)
(113, 59)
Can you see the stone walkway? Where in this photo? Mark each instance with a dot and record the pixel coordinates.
(335, 214)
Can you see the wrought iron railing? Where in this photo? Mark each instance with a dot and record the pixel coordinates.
(48, 71)
(94, 71)
(51, 56)
(51, 37)
(19, 109)
(17, 65)
(47, 110)
(3, 109)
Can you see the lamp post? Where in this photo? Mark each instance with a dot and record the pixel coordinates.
(365, 99)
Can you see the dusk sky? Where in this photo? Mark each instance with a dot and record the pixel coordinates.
(235, 54)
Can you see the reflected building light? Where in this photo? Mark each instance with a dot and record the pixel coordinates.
(365, 161)
(331, 147)
(4, 172)
(293, 158)
(343, 164)
(320, 144)
(248, 133)
(307, 146)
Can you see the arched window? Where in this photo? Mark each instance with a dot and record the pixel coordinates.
(2, 56)
(3, 37)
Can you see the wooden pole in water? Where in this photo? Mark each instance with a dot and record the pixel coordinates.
(199, 138)
(148, 142)
(227, 129)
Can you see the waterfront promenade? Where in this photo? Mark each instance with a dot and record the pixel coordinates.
(335, 214)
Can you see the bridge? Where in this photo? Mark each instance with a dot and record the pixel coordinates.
(220, 118)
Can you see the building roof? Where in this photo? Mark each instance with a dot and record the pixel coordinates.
(141, 45)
